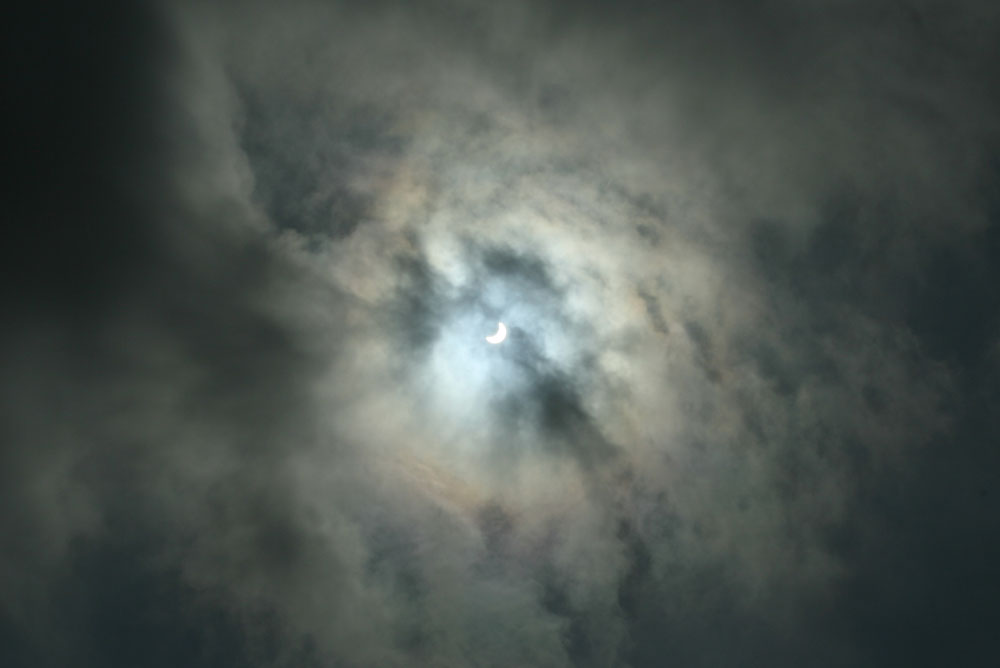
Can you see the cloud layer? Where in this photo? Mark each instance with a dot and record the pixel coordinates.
(746, 257)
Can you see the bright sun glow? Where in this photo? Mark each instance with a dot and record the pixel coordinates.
(499, 336)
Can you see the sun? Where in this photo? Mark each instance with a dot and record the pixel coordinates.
(499, 336)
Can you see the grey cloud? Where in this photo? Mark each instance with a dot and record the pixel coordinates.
(746, 256)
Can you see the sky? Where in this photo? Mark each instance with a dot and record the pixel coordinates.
(748, 256)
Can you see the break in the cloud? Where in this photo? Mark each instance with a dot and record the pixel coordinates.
(742, 415)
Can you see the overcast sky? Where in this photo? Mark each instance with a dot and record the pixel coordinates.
(748, 256)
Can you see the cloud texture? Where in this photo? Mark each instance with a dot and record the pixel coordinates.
(747, 258)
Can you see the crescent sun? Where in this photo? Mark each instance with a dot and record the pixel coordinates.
(499, 336)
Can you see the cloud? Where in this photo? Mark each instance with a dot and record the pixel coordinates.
(742, 413)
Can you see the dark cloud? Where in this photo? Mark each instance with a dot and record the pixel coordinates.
(746, 256)
(82, 109)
